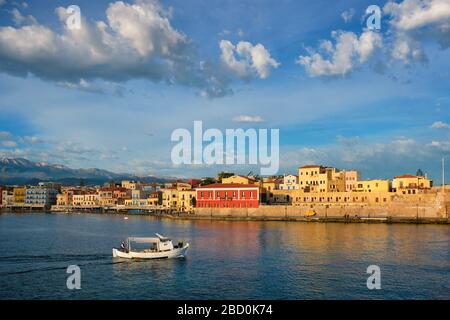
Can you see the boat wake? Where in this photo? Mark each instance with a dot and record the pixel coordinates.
(62, 261)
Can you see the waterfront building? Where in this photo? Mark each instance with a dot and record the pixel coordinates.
(281, 197)
(41, 195)
(136, 203)
(409, 184)
(170, 198)
(290, 182)
(272, 183)
(268, 185)
(372, 186)
(139, 196)
(315, 178)
(186, 200)
(239, 179)
(155, 199)
(66, 195)
(87, 199)
(131, 185)
(1, 195)
(350, 177)
(106, 198)
(7, 197)
(19, 196)
(231, 195)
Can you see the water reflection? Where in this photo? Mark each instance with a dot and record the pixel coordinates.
(226, 260)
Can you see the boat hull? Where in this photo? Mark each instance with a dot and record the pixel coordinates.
(175, 253)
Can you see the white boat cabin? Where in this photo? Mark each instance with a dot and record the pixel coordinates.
(158, 244)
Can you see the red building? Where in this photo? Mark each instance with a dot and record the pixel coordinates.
(1, 192)
(231, 195)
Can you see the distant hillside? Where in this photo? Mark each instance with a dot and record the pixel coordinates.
(23, 171)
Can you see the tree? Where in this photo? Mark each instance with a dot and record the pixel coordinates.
(223, 175)
(82, 183)
(193, 202)
(420, 173)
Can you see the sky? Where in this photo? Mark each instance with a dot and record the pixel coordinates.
(110, 93)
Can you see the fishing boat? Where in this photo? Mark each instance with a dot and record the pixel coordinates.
(159, 247)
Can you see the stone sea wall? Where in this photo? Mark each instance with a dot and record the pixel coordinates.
(409, 208)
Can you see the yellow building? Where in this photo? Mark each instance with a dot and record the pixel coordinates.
(239, 179)
(315, 178)
(182, 186)
(269, 184)
(372, 186)
(153, 201)
(19, 195)
(186, 200)
(130, 185)
(85, 200)
(409, 184)
(170, 198)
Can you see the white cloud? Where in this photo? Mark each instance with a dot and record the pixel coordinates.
(410, 23)
(416, 21)
(136, 41)
(341, 58)
(81, 85)
(7, 139)
(440, 125)
(347, 15)
(247, 61)
(20, 19)
(413, 14)
(248, 119)
(441, 145)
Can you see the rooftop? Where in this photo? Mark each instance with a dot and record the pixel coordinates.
(310, 166)
(407, 176)
(227, 185)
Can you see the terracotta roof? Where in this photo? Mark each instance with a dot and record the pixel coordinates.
(310, 166)
(227, 185)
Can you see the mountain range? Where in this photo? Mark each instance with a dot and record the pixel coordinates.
(22, 171)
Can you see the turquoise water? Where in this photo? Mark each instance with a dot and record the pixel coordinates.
(226, 260)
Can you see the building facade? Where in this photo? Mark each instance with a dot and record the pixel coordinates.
(315, 178)
(372, 186)
(290, 182)
(19, 196)
(40, 196)
(409, 184)
(232, 195)
(350, 178)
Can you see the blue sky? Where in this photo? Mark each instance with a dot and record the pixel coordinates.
(110, 95)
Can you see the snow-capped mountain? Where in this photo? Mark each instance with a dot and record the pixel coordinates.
(23, 171)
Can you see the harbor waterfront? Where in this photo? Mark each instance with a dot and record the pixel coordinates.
(227, 260)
